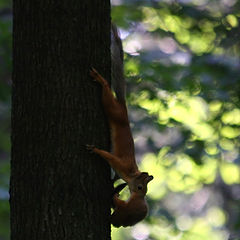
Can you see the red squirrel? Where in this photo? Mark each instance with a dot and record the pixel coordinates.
(122, 158)
(130, 212)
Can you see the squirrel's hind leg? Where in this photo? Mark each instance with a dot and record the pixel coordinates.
(109, 101)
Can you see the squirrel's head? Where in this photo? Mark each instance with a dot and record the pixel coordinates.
(139, 183)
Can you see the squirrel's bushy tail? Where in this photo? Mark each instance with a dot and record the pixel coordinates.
(118, 80)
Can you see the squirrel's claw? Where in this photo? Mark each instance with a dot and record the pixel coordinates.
(93, 73)
(90, 147)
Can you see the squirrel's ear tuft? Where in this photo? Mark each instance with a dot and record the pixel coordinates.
(149, 178)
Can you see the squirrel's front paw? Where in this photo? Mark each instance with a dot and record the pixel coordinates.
(90, 147)
(93, 73)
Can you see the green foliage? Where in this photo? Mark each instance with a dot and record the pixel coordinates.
(182, 66)
(5, 4)
(5, 80)
(4, 219)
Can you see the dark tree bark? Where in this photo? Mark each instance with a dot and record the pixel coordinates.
(58, 189)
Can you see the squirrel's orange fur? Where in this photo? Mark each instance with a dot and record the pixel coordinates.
(135, 208)
(122, 158)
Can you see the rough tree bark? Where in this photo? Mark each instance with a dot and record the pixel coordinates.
(58, 190)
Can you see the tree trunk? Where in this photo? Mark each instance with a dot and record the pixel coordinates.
(58, 189)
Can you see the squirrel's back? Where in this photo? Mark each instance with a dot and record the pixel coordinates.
(118, 80)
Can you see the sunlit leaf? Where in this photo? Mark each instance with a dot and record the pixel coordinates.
(230, 173)
(230, 132)
(216, 217)
(232, 117)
